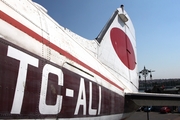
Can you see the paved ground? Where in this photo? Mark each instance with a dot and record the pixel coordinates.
(154, 116)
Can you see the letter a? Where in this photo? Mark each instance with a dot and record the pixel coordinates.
(81, 98)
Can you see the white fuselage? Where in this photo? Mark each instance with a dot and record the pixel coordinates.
(51, 72)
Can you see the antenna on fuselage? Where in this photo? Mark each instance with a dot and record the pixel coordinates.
(122, 15)
(122, 7)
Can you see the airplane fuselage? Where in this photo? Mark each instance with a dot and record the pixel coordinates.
(46, 73)
(46, 89)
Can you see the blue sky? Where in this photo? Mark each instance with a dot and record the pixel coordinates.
(156, 23)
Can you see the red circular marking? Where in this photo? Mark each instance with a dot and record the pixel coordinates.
(123, 47)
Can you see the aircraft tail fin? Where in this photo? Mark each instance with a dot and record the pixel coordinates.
(117, 48)
(104, 30)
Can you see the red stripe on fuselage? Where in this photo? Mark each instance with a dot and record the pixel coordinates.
(39, 38)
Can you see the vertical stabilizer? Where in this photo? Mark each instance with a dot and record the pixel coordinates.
(117, 49)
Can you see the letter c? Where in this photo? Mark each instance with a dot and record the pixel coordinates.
(43, 107)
